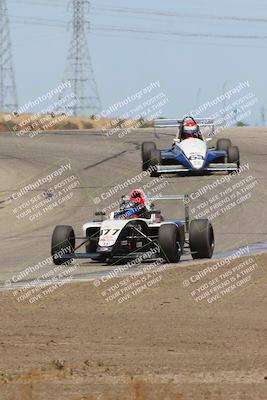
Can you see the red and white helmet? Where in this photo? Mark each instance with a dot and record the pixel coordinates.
(138, 196)
(190, 130)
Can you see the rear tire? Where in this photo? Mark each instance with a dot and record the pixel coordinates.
(155, 159)
(201, 238)
(223, 144)
(170, 243)
(233, 155)
(63, 240)
(147, 147)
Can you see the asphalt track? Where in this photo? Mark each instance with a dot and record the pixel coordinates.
(100, 164)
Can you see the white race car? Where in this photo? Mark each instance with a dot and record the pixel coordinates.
(133, 231)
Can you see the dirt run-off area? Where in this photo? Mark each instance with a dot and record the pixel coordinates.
(165, 342)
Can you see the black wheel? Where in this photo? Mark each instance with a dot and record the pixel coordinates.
(155, 159)
(201, 238)
(147, 147)
(170, 243)
(233, 155)
(63, 242)
(223, 144)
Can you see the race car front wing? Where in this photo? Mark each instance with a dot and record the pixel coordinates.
(214, 167)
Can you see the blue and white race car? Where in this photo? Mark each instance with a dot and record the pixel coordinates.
(190, 152)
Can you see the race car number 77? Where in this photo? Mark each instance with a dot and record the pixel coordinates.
(112, 232)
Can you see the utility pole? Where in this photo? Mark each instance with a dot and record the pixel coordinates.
(8, 90)
(79, 70)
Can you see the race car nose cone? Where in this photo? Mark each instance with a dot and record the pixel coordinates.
(104, 249)
(197, 164)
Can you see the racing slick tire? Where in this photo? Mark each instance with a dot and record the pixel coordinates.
(223, 144)
(147, 147)
(155, 159)
(233, 155)
(201, 238)
(63, 240)
(169, 241)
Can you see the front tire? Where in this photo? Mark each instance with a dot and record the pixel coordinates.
(223, 144)
(63, 242)
(170, 243)
(147, 148)
(155, 160)
(233, 155)
(201, 238)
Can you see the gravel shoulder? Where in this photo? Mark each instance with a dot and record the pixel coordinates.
(161, 344)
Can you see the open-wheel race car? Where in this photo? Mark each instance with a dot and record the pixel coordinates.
(134, 230)
(189, 153)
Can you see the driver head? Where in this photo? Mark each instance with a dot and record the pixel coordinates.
(137, 195)
(190, 129)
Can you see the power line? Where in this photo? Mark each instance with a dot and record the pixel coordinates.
(8, 90)
(105, 28)
(15, 19)
(149, 12)
(173, 14)
(174, 33)
(39, 3)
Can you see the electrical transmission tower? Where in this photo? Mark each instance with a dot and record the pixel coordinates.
(8, 90)
(79, 71)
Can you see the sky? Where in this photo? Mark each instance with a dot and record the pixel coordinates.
(191, 70)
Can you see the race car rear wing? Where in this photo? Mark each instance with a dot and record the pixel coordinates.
(168, 123)
(172, 123)
(180, 197)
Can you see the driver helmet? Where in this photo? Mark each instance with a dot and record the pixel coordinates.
(137, 196)
(190, 129)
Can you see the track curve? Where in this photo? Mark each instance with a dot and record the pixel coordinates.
(101, 164)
